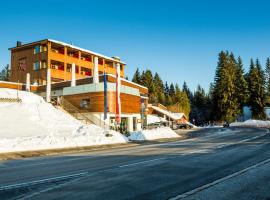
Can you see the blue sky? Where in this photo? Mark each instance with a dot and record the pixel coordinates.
(178, 39)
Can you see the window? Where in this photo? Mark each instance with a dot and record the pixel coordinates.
(22, 64)
(36, 65)
(85, 103)
(44, 48)
(37, 49)
(43, 65)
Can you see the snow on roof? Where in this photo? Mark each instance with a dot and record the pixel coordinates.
(174, 116)
(85, 50)
(123, 79)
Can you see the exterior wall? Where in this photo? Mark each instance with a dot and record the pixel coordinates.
(129, 103)
(58, 61)
(18, 72)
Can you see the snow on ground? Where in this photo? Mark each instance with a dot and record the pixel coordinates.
(35, 124)
(158, 133)
(252, 123)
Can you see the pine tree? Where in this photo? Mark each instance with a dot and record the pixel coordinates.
(137, 77)
(241, 86)
(267, 81)
(172, 91)
(166, 89)
(256, 89)
(187, 90)
(5, 73)
(225, 101)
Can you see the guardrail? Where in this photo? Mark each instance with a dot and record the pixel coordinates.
(10, 100)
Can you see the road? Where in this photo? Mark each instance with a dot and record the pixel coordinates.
(216, 164)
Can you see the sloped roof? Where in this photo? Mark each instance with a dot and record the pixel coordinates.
(174, 116)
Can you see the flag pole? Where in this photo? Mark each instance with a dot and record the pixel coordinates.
(105, 101)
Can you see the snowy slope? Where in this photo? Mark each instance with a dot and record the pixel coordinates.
(158, 133)
(35, 124)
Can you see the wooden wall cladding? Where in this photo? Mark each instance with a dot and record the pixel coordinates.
(129, 103)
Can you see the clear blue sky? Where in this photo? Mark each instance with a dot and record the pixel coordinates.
(178, 39)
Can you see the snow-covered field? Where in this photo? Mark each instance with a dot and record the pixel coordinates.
(158, 133)
(35, 124)
(252, 123)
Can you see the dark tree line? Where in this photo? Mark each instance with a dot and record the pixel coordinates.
(170, 95)
(231, 90)
(234, 89)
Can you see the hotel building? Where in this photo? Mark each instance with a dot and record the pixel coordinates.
(77, 76)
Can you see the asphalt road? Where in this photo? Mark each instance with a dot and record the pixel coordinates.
(216, 164)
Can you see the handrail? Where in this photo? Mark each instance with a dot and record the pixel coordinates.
(74, 111)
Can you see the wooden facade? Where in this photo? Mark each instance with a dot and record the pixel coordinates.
(36, 57)
(96, 103)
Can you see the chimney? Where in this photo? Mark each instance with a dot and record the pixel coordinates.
(116, 58)
(19, 43)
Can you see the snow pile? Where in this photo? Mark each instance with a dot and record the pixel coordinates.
(35, 124)
(252, 123)
(158, 133)
(151, 119)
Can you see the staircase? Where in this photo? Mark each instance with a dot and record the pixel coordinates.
(74, 111)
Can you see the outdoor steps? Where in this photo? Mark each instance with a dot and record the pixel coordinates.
(74, 111)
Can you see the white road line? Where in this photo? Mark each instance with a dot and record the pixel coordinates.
(141, 162)
(46, 180)
(196, 190)
(82, 174)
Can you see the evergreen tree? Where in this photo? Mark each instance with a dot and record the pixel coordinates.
(241, 86)
(147, 81)
(256, 90)
(166, 89)
(267, 81)
(187, 90)
(5, 73)
(159, 89)
(172, 91)
(225, 101)
(137, 77)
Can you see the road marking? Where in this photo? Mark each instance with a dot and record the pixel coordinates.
(141, 162)
(46, 180)
(196, 190)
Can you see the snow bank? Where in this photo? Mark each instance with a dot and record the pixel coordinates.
(158, 133)
(35, 124)
(252, 123)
